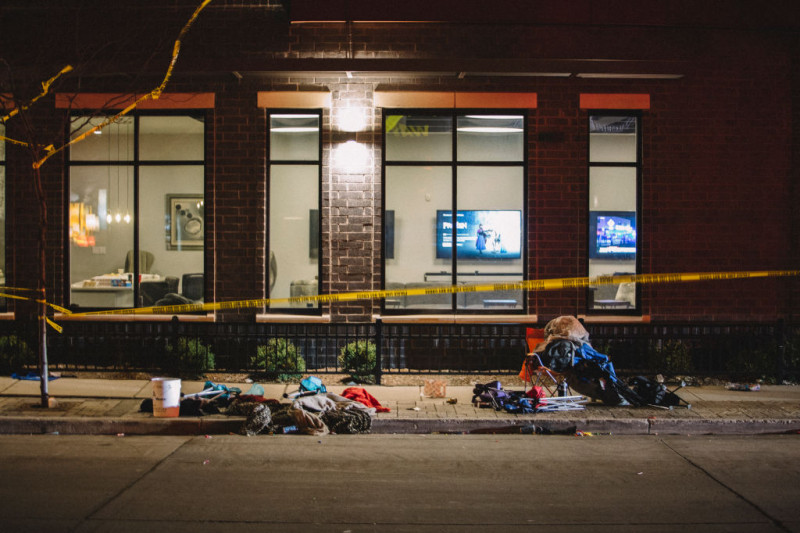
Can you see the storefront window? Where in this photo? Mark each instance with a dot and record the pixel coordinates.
(294, 208)
(136, 212)
(614, 169)
(454, 209)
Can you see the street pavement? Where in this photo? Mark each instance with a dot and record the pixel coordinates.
(400, 484)
(112, 407)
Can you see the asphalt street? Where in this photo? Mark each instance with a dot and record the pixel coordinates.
(398, 483)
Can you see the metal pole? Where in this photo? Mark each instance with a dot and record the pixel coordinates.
(378, 351)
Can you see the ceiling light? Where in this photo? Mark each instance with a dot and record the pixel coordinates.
(294, 129)
(489, 129)
(496, 117)
(607, 75)
(293, 115)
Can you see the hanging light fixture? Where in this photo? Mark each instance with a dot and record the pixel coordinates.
(127, 217)
(117, 212)
(109, 218)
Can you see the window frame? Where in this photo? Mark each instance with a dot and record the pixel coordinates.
(316, 310)
(637, 165)
(136, 163)
(454, 163)
(4, 251)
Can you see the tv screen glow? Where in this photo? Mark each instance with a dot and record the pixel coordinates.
(486, 234)
(612, 234)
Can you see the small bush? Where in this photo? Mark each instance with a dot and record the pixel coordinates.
(358, 359)
(189, 356)
(15, 354)
(279, 359)
(672, 356)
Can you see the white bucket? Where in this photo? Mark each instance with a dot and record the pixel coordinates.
(166, 397)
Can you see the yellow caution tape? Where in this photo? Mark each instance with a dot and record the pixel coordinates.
(45, 89)
(529, 285)
(55, 326)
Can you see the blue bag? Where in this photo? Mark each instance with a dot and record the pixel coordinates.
(312, 384)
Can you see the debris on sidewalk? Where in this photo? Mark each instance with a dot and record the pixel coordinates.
(492, 395)
(434, 388)
(754, 387)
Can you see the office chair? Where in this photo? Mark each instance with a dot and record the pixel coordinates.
(152, 291)
(146, 260)
(192, 286)
(191, 292)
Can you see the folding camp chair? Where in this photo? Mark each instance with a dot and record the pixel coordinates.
(535, 373)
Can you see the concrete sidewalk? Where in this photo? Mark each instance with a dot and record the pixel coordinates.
(111, 407)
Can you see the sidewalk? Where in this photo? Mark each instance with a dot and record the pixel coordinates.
(111, 407)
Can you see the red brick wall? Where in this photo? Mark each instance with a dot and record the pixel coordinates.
(719, 180)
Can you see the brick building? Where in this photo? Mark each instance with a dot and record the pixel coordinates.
(306, 149)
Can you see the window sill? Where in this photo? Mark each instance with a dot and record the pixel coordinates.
(289, 319)
(616, 319)
(59, 317)
(457, 319)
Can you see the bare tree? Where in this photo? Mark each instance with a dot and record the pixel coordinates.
(20, 109)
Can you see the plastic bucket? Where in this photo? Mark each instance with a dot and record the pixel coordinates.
(166, 397)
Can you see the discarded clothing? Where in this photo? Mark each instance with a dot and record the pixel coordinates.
(347, 421)
(305, 422)
(259, 418)
(516, 402)
(198, 407)
(362, 396)
(317, 403)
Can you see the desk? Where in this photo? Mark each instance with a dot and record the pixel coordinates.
(612, 304)
(106, 290)
(101, 296)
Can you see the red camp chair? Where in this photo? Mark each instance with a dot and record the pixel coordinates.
(535, 373)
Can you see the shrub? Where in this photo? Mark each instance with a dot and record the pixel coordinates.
(15, 354)
(189, 355)
(279, 359)
(672, 356)
(358, 359)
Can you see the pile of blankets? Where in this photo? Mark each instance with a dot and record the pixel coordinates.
(307, 412)
(310, 414)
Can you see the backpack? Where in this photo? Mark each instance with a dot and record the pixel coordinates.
(491, 393)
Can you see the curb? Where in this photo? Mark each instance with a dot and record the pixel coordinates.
(417, 426)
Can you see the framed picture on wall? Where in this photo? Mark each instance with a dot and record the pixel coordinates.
(186, 221)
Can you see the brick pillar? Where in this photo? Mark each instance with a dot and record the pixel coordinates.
(351, 199)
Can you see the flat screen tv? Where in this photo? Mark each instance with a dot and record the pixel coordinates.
(612, 235)
(479, 234)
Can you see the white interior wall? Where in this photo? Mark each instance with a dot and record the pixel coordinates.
(294, 191)
(155, 184)
(415, 194)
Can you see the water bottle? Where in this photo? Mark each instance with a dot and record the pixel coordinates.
(563, 389)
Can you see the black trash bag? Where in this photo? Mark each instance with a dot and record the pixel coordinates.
(559, 355)
(653, 393)
(590, 379)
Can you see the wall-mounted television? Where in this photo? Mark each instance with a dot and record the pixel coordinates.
(479, 234)
(612, 235)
